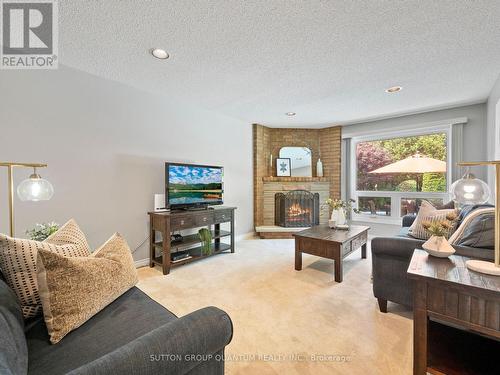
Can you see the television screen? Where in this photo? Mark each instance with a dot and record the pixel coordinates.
(193, 185)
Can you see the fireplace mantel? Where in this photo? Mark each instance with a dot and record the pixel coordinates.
(295, 179)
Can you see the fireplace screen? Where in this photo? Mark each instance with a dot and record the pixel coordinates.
(297, 208)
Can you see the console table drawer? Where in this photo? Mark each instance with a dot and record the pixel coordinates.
(204, 219)
(222, 216)
(346, 249)
(177, 223)
(481, 311)
(359, 241)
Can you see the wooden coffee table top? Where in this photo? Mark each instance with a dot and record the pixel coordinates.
(324, 232)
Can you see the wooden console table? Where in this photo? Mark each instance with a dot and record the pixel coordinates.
(456, 324)
(169, 222)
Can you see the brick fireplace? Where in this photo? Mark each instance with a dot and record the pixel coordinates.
(324, 143)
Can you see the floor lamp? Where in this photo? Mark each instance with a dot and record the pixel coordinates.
(471, 190)
(34, 188)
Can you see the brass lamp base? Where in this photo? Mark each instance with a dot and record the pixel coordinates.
(10, 177)
(483, 267)
(480, 265)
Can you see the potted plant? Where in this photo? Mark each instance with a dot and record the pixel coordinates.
(41, 231)
(340, 209)
(206, 241)
(437, 245)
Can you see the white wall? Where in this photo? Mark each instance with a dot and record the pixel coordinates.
(493, 130)
(106, 144)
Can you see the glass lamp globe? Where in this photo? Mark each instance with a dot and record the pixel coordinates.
(35, 188)
(470, 190)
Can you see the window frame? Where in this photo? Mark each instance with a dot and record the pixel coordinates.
(396, 196)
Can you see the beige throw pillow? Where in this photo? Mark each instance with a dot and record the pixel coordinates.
(73, 290)
(428, 213)
(425, 209)
(18, 261)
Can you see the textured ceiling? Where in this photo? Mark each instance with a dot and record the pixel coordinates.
(329, 61)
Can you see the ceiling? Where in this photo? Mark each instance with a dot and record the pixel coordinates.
(328, 61)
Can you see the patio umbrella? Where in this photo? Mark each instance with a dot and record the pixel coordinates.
(416, 164)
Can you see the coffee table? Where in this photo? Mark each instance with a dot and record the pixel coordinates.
(330, 243)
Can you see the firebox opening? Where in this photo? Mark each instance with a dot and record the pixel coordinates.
(297, 208)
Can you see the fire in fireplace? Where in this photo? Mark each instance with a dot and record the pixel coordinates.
(297, 208)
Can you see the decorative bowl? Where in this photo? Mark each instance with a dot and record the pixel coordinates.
(438, 247)
(439, 253)
(342, 227)
(333, 224)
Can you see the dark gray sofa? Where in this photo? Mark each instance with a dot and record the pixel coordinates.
(132, 335)
(390, 260)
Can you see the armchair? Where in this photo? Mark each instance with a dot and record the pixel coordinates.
(390, 260)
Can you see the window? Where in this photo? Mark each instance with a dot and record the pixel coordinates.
(410, 206)
(391, 175)
(380, 206)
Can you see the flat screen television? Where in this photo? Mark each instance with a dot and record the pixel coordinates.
(193, 186)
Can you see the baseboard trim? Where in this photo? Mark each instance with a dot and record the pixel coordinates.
(141, 263)
(245, 236)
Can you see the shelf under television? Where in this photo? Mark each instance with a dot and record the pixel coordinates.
(196, 253)
(191, 240)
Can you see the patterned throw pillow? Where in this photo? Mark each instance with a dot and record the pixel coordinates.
(73, 290)
(476, 230)
(18, 261)
(428, 213)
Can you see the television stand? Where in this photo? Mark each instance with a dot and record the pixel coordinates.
(166, 223)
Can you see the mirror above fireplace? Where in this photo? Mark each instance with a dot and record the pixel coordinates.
(300, 158)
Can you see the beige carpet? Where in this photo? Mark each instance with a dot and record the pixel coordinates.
(287, 321)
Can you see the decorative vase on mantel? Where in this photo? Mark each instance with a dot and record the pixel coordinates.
(319, 168)
(438, 246)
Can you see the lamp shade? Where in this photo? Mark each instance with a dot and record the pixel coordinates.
(470, 190)
(35, 188)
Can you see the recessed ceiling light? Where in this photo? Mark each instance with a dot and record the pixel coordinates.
(160, 53)
(290, 113)
(393, 89)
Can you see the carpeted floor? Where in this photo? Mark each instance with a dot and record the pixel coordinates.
(287, 321)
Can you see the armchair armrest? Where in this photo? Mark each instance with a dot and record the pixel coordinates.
(401, 247)
(177, 347)
(390, 260)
